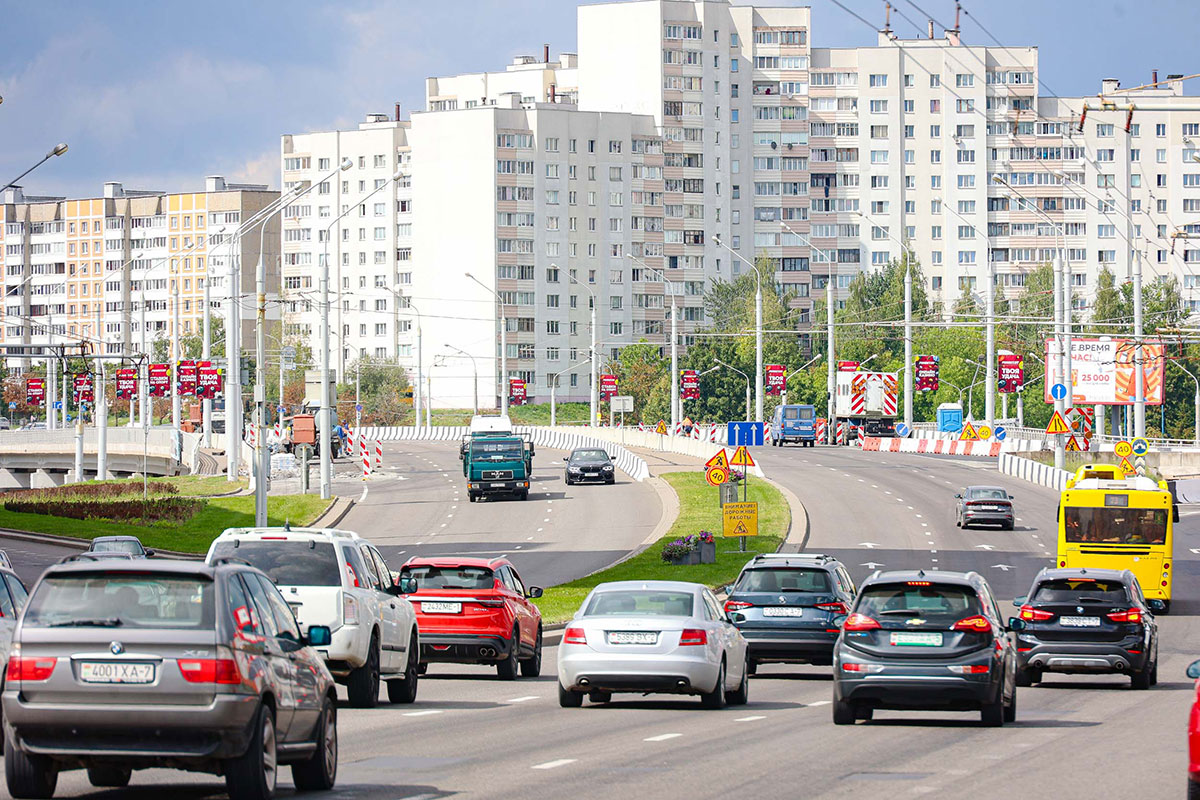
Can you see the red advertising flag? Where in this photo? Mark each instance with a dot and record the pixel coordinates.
(689, 385)
(927, 373)
(608, 386)
(127, 384)
(516, 391)
(83, 391)
(776, 378)
(847, 366)
(1010, 372)
(188, 375)
(160, 380)
(208, 384)
(35, 391)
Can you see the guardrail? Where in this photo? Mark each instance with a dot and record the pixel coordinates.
(1033, 471)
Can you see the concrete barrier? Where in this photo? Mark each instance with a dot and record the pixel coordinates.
(1033, 471)
(43, 455)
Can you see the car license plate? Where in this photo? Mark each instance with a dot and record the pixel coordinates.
(497, 485)
(783, 612)
(1080, 622)
(431, 607)
(917, 639)
(115, 672)
(632, 637)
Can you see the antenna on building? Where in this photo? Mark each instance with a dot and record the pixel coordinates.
(887, 18)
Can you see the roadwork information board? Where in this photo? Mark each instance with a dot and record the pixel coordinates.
(741, 519)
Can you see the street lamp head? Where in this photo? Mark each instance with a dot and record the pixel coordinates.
(396, 175)
(469, 275)
(998, 179)
(58, 150)
(347, 163)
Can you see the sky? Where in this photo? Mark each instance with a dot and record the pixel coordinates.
(158, 95)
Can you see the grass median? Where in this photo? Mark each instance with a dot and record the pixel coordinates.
(698, 510)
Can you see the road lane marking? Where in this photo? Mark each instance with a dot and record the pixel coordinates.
(524, 699)
(363, 496)
(422, 713)
(750, 719)
(562, 762)
(662, 737)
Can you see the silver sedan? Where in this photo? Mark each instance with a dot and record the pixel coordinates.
(652, 636)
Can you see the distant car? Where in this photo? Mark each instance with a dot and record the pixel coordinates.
(989, 505)
(103, 545)
(1087, 621)
(1193, 672)
(652, 637)
(5, 424)
(589, 464)
(788, 605)
(475, 611)
(925, 640)
(35, 426)
(179, 665)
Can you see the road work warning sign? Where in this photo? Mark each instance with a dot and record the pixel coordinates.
(741, 519)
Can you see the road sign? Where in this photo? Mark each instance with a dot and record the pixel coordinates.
(1140, 446)
(969, 434)
(745, 434)
(1058, 424)
(999, 433)
(719, 460)
(1073, 444)
(58, 404)
(716, 476)
(984, 432)
(1126, 467)
(1058, 391)
(902, 430)
(740, 519)
(662, 428)
(741, 458)
(12, 404)
(1123, 449)
(621, 403)
(358, 407)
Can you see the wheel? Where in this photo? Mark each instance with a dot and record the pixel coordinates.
(1010, 710)
(109, 775)
(1008, 526)
(741, 695)
(1154, 673)
(422, 669)
(716, 698)
(363, 686)
(865, 713)
(1025, 677)
(1166, 607)
(1143, 678)
(532, 667)
(599, 697)
(992, 714)
(844, 712)
(472, 497)
(404, 690)
(523, 495)
(252, 775)
(568, 698)
(507, 668)
(28, 776)
(319, 772)
(611, 481)
(1193, 790)
(957, 520)
(568, 481)
(752, 667)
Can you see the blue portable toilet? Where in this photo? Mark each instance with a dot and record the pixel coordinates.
(949, 418)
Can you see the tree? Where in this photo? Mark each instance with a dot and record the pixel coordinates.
(644, 374)
(1107, 306)
(383, 387)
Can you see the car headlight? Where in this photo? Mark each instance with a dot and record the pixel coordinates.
(573, 469)
(608, 468)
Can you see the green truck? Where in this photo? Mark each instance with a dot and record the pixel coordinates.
(496, 461)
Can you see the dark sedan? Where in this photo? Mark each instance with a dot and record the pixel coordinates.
(590, 464)
(986, 505)
(119, 546)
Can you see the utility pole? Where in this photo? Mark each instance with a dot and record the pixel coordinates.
(831, 367)
(176, 401)
(1139, 378)
(101, 405)
(989, 372)
(908, 346)
(1068, 370)
(233, 358)
(260, 395)
(1059, 444)
(206, 404)
(144, 368)
(358, 394)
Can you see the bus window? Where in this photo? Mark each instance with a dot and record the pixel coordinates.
(1115, 525)
(806, 413)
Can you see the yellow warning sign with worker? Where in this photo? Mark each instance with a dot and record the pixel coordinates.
(740, 519)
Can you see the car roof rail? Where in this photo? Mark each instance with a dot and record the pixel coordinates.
(223, 560)
(800, 556)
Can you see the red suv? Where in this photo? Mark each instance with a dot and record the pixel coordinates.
(1193, 671)
(476, 611)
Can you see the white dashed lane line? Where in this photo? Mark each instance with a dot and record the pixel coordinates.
(562, 762)
(524, 699)
(662, 737)
(750, 719)
(422, 713)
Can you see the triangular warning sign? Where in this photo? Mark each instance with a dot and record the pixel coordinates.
(1126, 467)
(742, 458)
(1073, 445)
(1058, 424)
(719, 460)
(969, 434)
(740, 529)
(662, 427)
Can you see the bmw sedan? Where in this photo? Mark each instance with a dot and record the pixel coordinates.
(652, 637)
(590, 464)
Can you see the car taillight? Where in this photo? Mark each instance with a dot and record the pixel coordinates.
(860, 622)
(1132, 615)
(1035, 614)
(210, 670)
(574, 636)
(30, 668)
(975, 624)
(736, 605)
(837, 607)
(850, 666)
(353, 577)
(969, 669)
(349, 609)
(693, 636)
(489, 602)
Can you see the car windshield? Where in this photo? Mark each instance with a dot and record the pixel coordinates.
(589, 455)
(1081, 590)
(497, 451)
(789, 579)
(112, 600)
(117, 546)
(640, 603)
(987, 494)
(937, 605)
(450, 577)
(1116, 525)
(287, 563)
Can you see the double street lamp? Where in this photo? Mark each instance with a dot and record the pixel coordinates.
(831, 367)
(676, 412)
(504, 348)
(475, 375)
(758, 332)
(593, 398)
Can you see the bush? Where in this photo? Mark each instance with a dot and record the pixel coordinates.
(91, 491)
(157, 509)
(679, 548)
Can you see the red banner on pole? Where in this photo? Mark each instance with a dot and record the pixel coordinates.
(1010, 372)
(516, 392)
(188, 374)
(127, 384)
(160, 380)
(689, 385)
(776, 378)
(83, 389)
(608, 386)
(847, 366)
(927, 373)
(35, 391)
(208, 383)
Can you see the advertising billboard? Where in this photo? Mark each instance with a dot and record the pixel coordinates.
(35, 391)
(1010, 372)
(608, 386)
(926, 376)
(776, 378)
(126, 383)
(689, 385)
(1102, 372)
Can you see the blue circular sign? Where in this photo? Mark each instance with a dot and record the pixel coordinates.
(358, 407)
(1058, 391)
(12, 404)
(999, 433)
(901, 429)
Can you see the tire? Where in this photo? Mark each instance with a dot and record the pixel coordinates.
(472, 497)
(716, 698)
(992, 714)
(532, 667)
(1025, 677)
(1008, 526)
(568, 698)
(422, 669)
(319, 772)
(362, 689)
(1010, 711)
(506, 668)
(610, 481)
(568, 481)
(404, 690)
(523, 495)
(864, 713)
(252, 776)
(1143, 678)
(109, 776)
(752, 667)
(28, 776)
(844, 712)
(1193, 792)
(741, 695)
(1166, 608)
(599, 697)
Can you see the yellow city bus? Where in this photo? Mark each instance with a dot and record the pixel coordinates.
(1108, 521)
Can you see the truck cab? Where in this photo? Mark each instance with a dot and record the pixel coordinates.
(497, 463)
(794, 423)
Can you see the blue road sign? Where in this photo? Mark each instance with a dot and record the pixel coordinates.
(999, 433)
(1058, 391)
(279, 409)
(1140, 446)
(58, 404)
(69, 417)
(901, 429)
(749, 434)
(12, 404)
(358, 406)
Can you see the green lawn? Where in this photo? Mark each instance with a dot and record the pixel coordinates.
(520, 415)
(192, 536)
(698, 511)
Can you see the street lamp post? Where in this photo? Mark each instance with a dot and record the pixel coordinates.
(783, 400)
(593, 398)
(57, 150)
(676, 412)
(758, 332)
(474, 375)
(1196, 404)
(504, 349)
(989, 323)
(408, 304)
(744, 375)
(206, 349)
(554, 389)
(831, 367)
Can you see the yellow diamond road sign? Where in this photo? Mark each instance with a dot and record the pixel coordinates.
(741, 519)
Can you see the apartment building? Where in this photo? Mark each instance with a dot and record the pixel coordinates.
(82, 269)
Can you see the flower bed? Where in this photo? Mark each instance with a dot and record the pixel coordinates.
(699, 548)
(156, 509)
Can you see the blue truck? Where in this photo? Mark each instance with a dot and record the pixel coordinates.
(794, 424)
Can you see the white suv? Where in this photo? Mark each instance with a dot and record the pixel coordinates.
(338, 579)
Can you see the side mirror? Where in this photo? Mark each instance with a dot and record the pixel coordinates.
(566, 458)
(958, 497)
(1015, 624)
(1010, 497)
(1019, 601)
(737, 617)
(318, 636)
(407, 584)
(1174, 512)
(1193, 670)
(149, 553)
(535, 592)
(1157, 606)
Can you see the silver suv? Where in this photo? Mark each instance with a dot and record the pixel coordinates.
(173, 664)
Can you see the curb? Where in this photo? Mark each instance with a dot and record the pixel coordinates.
(81, 544)
(334, 514)
(799, 512)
